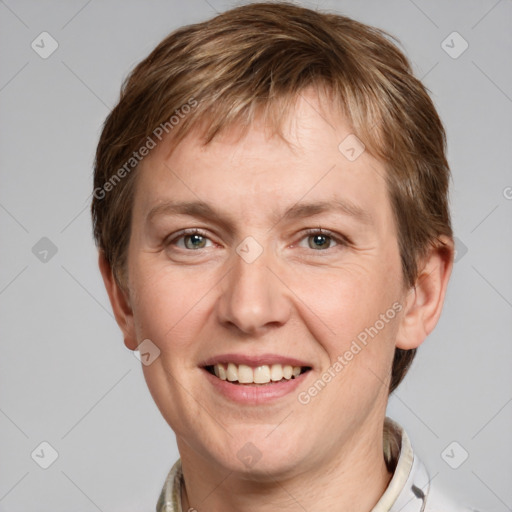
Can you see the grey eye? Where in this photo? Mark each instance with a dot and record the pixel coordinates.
(194, 241)
(319, 241)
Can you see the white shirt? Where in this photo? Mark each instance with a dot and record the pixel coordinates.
(410, 488)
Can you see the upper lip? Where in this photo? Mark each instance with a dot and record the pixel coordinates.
(254, 360)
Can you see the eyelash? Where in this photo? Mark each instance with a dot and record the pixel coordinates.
(340, 240)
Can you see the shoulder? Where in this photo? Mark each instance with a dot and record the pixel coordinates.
(421, 494)
(440, 501)
(418, 491)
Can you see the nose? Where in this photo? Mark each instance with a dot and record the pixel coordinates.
(252, 299)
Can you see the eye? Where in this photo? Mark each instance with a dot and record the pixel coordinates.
(319, 239)
(192, 240)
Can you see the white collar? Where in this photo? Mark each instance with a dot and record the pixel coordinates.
(407, 491)
(410, 485)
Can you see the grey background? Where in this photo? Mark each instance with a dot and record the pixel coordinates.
(66, 377)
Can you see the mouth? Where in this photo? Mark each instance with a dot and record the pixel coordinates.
(261, 375)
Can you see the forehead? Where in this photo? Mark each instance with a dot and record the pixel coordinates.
(320, 160)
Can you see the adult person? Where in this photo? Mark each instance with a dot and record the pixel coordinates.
(271, 212)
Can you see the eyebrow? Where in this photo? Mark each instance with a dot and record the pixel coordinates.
(203, 210)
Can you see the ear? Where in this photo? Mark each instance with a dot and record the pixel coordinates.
(120, 303)
(424, 301)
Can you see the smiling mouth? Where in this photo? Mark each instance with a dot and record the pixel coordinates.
(242, 374)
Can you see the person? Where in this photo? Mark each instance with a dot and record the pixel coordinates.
(271, 211)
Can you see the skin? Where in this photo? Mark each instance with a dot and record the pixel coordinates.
(293, 300)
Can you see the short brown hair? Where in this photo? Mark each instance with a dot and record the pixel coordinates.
(255, 60)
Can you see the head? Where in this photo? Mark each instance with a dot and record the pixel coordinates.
(303, 140)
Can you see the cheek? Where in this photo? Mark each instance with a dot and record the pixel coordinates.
(169, 307)
(357, 302)
(346, 300)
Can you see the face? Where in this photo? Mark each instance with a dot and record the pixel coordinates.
(253, 260)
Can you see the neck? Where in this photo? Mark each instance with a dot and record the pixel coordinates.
(354, 478)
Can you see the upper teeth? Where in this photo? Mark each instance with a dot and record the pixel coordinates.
(259, 375)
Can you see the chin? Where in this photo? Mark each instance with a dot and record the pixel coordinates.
(259, 457)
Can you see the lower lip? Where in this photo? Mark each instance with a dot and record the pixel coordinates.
(254, 394)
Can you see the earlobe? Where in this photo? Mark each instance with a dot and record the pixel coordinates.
(424, 302)
(119, 301)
